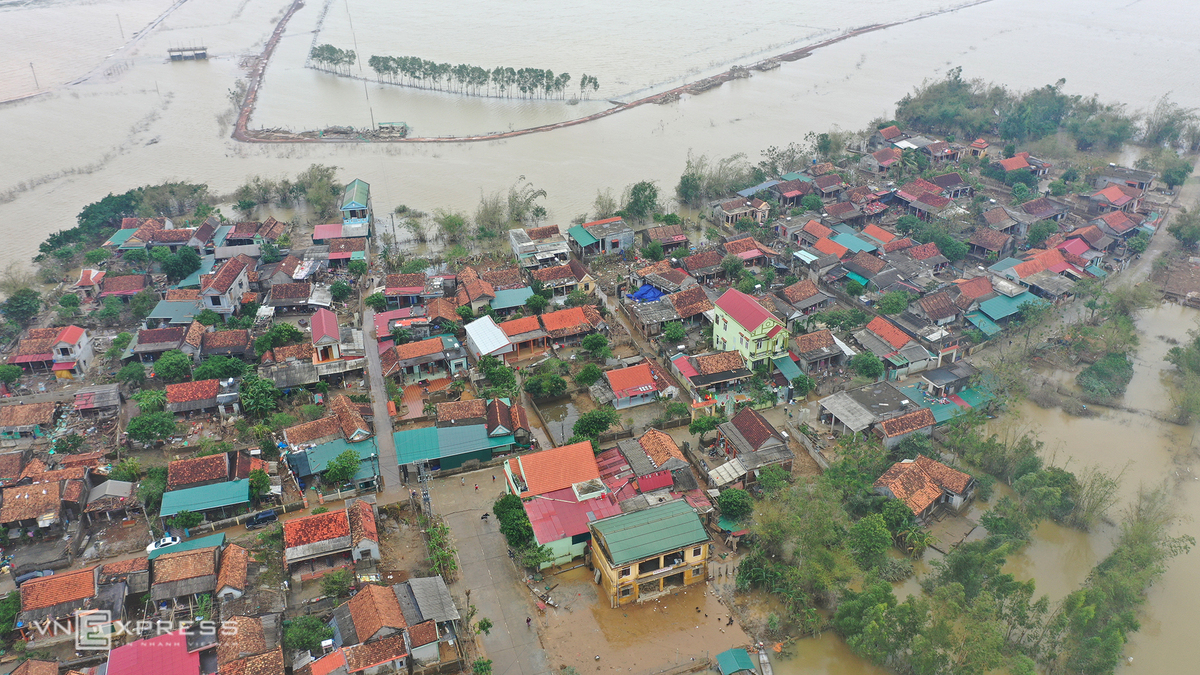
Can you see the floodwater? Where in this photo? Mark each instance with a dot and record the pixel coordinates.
(133, 118)
(560, 416)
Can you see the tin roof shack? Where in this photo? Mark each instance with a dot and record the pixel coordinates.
(539, 246)
(923, 484)
(59, 598)
(643, 555)
(134, 573)
(895, 429)
(315, 545)
(217, 500)
(101, 401)
(431, 615)
(110, 499)
(858, 409)
(188, 397)
(598, 237)
(649, 317)
(26, 422)
(750, 440)
(713, 373)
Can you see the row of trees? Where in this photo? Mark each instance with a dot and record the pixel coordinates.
(333, 59)
(471, 80)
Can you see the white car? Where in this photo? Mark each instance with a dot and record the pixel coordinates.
(163, 543)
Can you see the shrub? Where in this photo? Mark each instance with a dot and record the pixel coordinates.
(735, 503)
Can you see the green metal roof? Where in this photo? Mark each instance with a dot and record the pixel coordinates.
(1006, 264)
(853, 242)
(788, 367)
(511, 297)
(358, 255)
(983, 323)
(581, 236)
(207, 263)
(733, 661)
(1095, 270)
(976, 396)
(1003, 306)
(418, 445)
(120, 236)
(796, 175)
(175, 311)
(358, 193)
(221, 234)
(859, 278)
(320, 456)
(189, 545)
(205, 497)
(634, 536)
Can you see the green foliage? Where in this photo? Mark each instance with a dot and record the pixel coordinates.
(595, 422)
(536, 304)
(10, 374)
(219, 368)
(336, 584)
(306, 633)
(180, 264)
(152, 487)
(151, 427)
(894, 302)
(65, 445)
(133, 374)
(129, 470)
(545, 385)
(340, 290)
(773, 478)
(735, 503)
(10, 607)
(577, 298)
(812, 203)
(1185, 227)
(867, 365)
(705, 424)
(674, 332)
(869, 541)
(173, 366)
(481, 666)
(484, 626)
(22, 306)
(96, 256)
(588, 375)
(1175, 171)
(258, 396)
(1038, 234)
(279, 335)
(801, 385)
(207, 317)
(653, 251)
(136, 257)
(377, 302)
(597, 346)
(185, 519)
(150, 400)
(281, 421)
(1107, 378)
(843, 319)
(69, 301)
(854, 289)
(342, 468)
(357, 267)
(641, 201)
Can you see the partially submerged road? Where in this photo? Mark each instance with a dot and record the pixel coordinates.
(389, 468)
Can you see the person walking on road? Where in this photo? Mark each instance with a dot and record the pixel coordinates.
(463, 481)
(477, 487)
(528, 622)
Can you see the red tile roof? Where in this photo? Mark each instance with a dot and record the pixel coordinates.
(520, 419)
(1118, 221)
(226, 341)
(938, 306)
(324, 325)
(745, 245)
(422, 633)
(690, 302)
(975, 288)
(234, 562)
(720, 362)
(412, 350)
(888, 332)
(989, 239)
(888, 133)
(395, 282)
(296, 291)
(363, 656)
(62, 587)
(373, 609)
(878, 233)
(830, 247)
(1013, 163)
(897, 245)
(557, 468)
(566, 322)
(184, 472)
(817, 230)
(243, 638)
(810, 342)
(362, 522)
(312, 529)
(450, 411)
(800, 291)
(924, 251)
(868, 262)
(310, 431)
(223, 280)
(631, 381)
(887, 156)
(185, 392)
(911, 485)
(520, 326)
(553, 273)
(27, 414)
(502, 279)
(754, 427)
(828, 181)
(171, 567)
(744, 309)
(126, 284)
(441, 308)
(917, 187)
(840, 209)
(544, 232)
(703, 260)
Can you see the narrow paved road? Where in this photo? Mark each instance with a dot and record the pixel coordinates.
(389, 468)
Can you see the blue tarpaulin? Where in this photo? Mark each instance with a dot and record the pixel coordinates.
(647, 293)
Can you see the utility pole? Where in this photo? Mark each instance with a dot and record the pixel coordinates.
(120, 28)
(35, 82)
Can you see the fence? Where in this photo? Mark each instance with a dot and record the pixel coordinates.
(238, 520)
(813, 451)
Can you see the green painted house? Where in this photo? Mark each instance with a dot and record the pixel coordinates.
(356, 209)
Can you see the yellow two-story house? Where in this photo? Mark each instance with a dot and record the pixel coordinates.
(741, 324)
(645, 554)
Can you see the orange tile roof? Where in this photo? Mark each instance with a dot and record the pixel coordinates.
(62, 587)
(243, 638)
(526, 324)
(181, 294)
(195, 334)
(234, 561)
(441, 308)
(301, 352)
(800, 291)
(311, 529)
(1028, 268)
(267, 663)
(422, 633)
(461, 410)
(557, 468)
(809, 342)
(371, 654)
(520, 419)
(171, 567)
(907, 423)
(660, 447)
(121, 567)
(398, 281)
(373, 609)
(506, 278)
(310, 431)
(690, 302)
(348, 416)
(721, 362)
(553, 273)
(702, 260)
(229, 272)
(754, 427)
(566, 322)
(362, 523)
(544, 232)
(413, 350)
(888, 332)
(975, 288)
(125, 284)
(32, 667)
(185, 392)
(924, 251)
(878, 233)
(897, 245)
(831, 247)
(183, 472)
(27, 414)
(631, 381)
(920, 482)
(30, 502)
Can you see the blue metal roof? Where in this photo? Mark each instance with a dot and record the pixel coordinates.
(205, 497)
(751, 191)
(189, 545)
(512, 297)
(316, 459)
(178, 312)
(853, 242)
(417, 445)
(1003, 306)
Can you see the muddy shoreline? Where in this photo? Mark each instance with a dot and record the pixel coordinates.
(243, 133)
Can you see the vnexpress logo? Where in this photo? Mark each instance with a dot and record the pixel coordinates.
(93, 630)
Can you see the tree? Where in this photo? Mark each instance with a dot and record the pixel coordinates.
(306, 634)
(577, 298)
(893, 302)
(219, 368)
(258, 396)
(133, 374)
(653, 251)
(1175, 170)
(674, 332)
(1139, 243)
(1185, 227)
(733, 266)
(376, 301)
(160, 254)
(401, 335)
(186, 519)
(150, 427)
(336, 584)
(129, 470)
(22, 306)
(96, 256)
(588, 375)
(65, 445)
(69, 301)
(1040, 232)
(1021, 194)
(181, 264)
(451, 225)
(150, 400)
(173, 367)
(869, 541)
(260, 483)
(595, 422)
(704, 424)
(596, 345)
(854, 289)
(484, 626)
(464, 312)
(10, 374)
(207, 317)
(136, 257)
(735, 503)
(481, 667)
(340, 290)
(357, 267)
(342, 468)
(642, 200)
(867, 365)
(536, 303)
(801, 385)
(143, 303)
(812, 203)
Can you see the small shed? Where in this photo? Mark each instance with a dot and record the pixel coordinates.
(734, 661)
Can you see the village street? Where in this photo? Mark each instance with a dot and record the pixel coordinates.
(494, 583)
(388, 466)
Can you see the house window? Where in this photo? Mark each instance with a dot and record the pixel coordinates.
(696, 551)
(216, 300)
(626, 591)
(64, 351)
(624, 572)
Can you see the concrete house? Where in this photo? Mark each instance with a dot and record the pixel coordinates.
(610, 235)
(880, 161)
(317, 544)
(643, 555)
(893, 430)
(704, 267)
(632, 386)
(356, 209)
(750, 439)
(539, 246)
(742, 324)
(474, 291)
(670, 237)
(526, 337)
(222, 292)
(924, 484)
(707, 375)
(730, 212)
(66, 351)
(819, 351)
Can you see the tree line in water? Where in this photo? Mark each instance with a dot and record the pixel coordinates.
(465, 79)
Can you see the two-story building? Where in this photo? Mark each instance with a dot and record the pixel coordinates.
(646, 554)
(222, 292)
(742, 324)
(66, 351)
(610, 235)
(356, 209)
